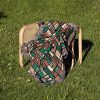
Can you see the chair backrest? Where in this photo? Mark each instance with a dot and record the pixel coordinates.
(30, 32)
(27, 33)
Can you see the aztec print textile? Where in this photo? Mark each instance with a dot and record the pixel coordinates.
(47, 50)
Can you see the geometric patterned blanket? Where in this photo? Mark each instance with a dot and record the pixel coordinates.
(47, 50)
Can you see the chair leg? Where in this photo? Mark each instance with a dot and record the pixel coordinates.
(80, 46)
(20, 58)
(73, 55)
(20, 44)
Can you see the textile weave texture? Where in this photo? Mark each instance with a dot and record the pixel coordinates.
(47, 50)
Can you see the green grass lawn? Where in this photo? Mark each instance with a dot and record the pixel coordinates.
(82, 83)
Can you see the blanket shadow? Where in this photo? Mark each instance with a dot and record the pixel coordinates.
(86, 47)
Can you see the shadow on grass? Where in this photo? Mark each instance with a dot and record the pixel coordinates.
(27, 62)
(2, 15)
(86, 47)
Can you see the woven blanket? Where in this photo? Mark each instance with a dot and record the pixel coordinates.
(47, 50)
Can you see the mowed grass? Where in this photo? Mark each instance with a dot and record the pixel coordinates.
(82, 83)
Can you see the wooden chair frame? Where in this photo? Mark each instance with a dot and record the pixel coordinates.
(28, 32)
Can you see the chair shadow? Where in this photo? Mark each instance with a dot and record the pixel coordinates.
(2, 15)
(86, 47)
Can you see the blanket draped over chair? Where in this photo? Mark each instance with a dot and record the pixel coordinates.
(47, 50)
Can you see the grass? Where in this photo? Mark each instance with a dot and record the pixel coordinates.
(82, 83)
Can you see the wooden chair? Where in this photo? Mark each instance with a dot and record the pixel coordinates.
(28, 32)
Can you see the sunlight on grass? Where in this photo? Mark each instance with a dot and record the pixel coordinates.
(82, 83)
